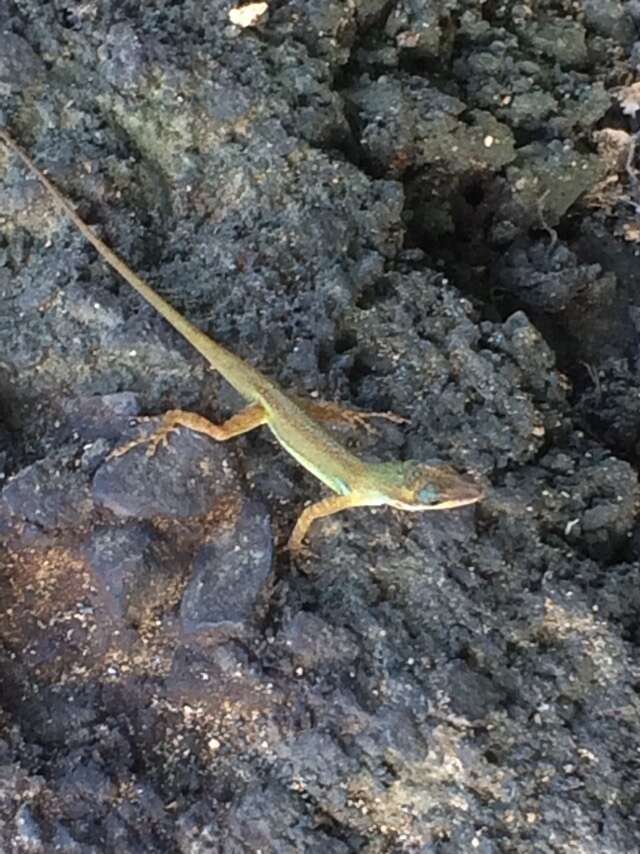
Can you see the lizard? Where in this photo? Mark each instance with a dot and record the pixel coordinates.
(297, 424)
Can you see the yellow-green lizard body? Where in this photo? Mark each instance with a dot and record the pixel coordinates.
(295, 424)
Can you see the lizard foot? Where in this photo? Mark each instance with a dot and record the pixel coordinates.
(328, 411)
(361, 419)
(159, 438)
(299, 552)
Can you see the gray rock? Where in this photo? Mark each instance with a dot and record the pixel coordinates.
(49, 494)
(185, 478)
(19, 65)
(137, 566)
(28, 832)
(230, 573)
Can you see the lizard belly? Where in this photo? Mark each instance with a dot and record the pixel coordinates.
(304, 455)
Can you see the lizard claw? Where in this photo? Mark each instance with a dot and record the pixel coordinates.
(361, 419)
(299, 552)
(390, 416)
(157, 439)
(124, 449)
(358, 419)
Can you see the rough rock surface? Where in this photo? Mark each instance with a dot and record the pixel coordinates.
(427, 207)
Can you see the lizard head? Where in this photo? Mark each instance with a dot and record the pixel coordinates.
(416, 486)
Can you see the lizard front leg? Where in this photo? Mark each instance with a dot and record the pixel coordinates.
(244, 421)
(327, 507)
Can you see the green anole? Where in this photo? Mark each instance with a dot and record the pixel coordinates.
(295, 423)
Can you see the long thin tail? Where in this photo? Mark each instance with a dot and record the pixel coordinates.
(241, 375)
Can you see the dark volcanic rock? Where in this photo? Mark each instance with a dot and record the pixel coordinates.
(137, 566)
(49, 494)
(184, 478)
(230, 573)
(428, 207)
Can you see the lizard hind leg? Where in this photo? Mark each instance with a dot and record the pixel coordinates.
(242, 422)
(336, 413)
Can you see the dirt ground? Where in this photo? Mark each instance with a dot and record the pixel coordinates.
(424, 206)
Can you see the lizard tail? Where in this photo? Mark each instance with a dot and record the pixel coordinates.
(242, 376)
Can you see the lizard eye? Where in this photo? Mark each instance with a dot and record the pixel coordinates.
(428, 495)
